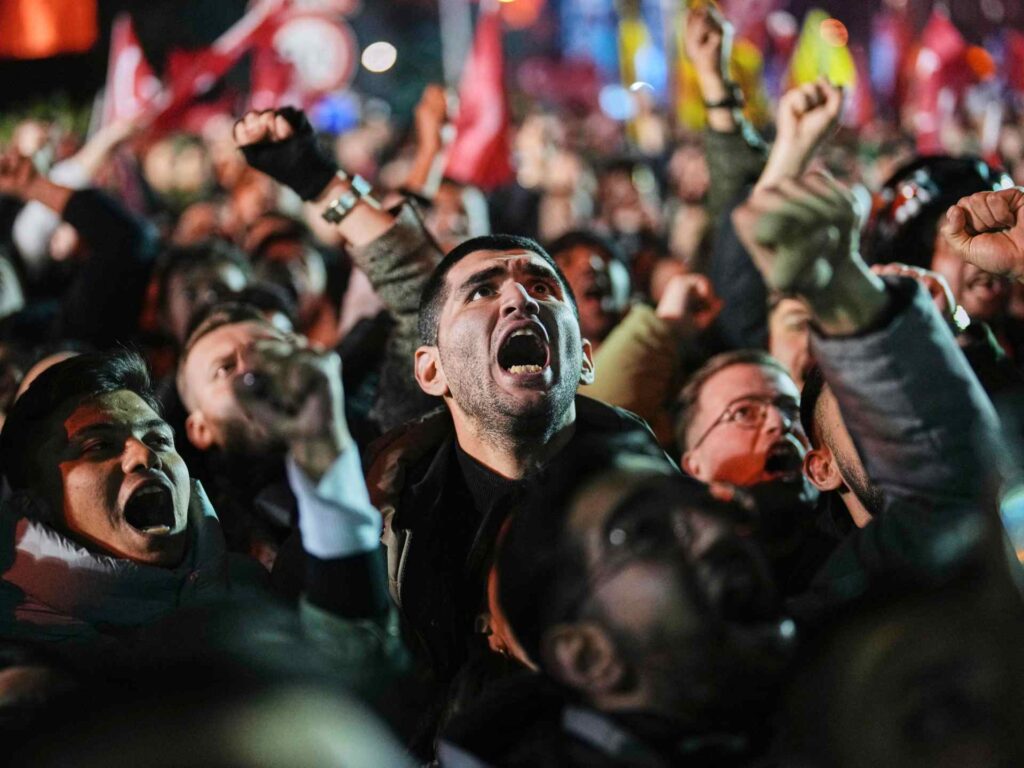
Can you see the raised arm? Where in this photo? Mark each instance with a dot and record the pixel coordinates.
(912, 405)
(392, 247)
(296, 392)
(95, 308)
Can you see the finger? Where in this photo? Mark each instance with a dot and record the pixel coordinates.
(282, 128)
(835, 95)
(955, 228)
(999, 205)
(974, 221)
(980, 208)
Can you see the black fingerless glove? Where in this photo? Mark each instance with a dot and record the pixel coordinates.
(297, 162)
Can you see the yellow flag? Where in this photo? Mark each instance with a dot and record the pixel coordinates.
(821, 50)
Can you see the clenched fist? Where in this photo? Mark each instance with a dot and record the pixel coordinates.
(987, 230)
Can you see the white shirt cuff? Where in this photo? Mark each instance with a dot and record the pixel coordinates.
(336, 518)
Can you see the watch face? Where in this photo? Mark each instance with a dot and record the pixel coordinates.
(338, 209)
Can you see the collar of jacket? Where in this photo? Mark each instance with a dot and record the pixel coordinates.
(53, 588)
(391, 457)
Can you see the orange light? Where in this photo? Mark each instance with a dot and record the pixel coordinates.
(980, 62)
(519, 14)
(834, 33)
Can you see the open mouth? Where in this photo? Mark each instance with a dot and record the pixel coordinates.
(150, 510)
(523, 351)
(784, 458)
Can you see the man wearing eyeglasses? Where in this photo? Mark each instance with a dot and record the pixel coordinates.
(741, 421)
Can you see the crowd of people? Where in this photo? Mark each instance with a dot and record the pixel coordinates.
(702, 457)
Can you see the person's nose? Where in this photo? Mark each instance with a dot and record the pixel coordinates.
(515, 297)
(138, 456)
(777, 420)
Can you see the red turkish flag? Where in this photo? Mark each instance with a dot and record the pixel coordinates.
(1014, 60)
(131, 84)
(939, 72)
(480, 153)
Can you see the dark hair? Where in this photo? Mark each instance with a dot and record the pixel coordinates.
(224, 313)
(814, 386)
(266, 297)
(72, 380)
(184, 258)
(284, 229)
(913, 200)
(435, 291)
(691, 392)
(587, 239)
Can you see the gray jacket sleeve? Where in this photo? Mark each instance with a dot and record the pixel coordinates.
(398, 264)
(916, 413)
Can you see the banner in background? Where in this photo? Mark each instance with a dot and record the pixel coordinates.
(480, 153)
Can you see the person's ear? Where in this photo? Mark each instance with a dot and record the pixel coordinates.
(821, 469)
(583, 657)
(587, 372)
(198, 431)
(429, 373)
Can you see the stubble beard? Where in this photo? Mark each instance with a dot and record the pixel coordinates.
(498, 416)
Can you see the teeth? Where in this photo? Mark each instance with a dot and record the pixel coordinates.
(531, 368)
(149, 490)
(157, 530)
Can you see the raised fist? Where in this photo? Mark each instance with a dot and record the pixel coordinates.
(296, 393)
(281, 143)
(431, 113)
(987, 230)
(689, 302)
(807, 114)
(799, 232)
(708, 41)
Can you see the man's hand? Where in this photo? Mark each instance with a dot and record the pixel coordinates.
(936, 285)
(296, 393)
(281, 144)
(802, 235)
(806, 116)
(17, 175)
(708, 42)
(987, 230)
(689, 303)
(431, 114)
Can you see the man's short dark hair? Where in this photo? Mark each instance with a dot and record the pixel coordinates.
(690, 395)
(587, 239)
(436, 290)
(185, 258)
(73, 380)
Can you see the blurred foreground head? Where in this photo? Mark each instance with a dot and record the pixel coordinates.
(628, 587)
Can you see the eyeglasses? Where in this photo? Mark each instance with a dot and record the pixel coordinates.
(662, 521)
(647, 524)
(751, 411)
